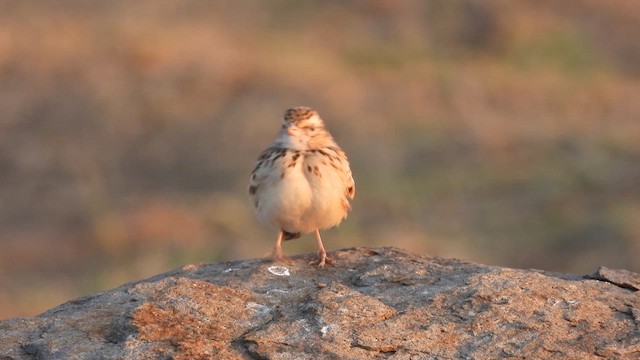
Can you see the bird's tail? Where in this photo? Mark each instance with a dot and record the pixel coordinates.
(290, 235)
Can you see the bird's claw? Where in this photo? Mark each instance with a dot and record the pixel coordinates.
(322, 260)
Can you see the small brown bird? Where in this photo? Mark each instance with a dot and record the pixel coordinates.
(302, 182)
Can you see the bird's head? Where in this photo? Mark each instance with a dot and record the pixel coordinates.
(304, 128)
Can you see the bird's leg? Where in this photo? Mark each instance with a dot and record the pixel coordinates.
(277, 255)
(322, 253)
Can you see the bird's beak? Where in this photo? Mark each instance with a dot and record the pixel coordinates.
(291, 131)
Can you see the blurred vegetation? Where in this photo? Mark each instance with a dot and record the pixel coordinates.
(494, 131)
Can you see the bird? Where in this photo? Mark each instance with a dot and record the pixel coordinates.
(302, 182)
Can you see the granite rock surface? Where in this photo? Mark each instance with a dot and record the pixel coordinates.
(375, 303)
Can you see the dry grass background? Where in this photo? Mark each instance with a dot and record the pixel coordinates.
(495, 131)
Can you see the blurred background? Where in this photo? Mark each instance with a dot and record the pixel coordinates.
(495, 131)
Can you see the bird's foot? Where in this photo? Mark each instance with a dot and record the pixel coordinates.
(322, 260)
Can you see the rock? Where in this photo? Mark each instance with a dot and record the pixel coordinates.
(375, 303)
(620, 277)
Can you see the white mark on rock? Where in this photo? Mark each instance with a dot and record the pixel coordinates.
(272, 291)
(278, 270)
(325, 329)
(229, 270)
(258, 308)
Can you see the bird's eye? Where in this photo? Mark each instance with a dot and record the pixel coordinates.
(311, 128)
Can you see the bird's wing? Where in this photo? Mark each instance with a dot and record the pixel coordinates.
(262, 170)
(345, 175)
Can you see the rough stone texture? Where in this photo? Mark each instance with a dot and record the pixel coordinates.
(622, 278)
(374, 304)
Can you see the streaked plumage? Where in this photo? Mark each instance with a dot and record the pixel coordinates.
(302, 183)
